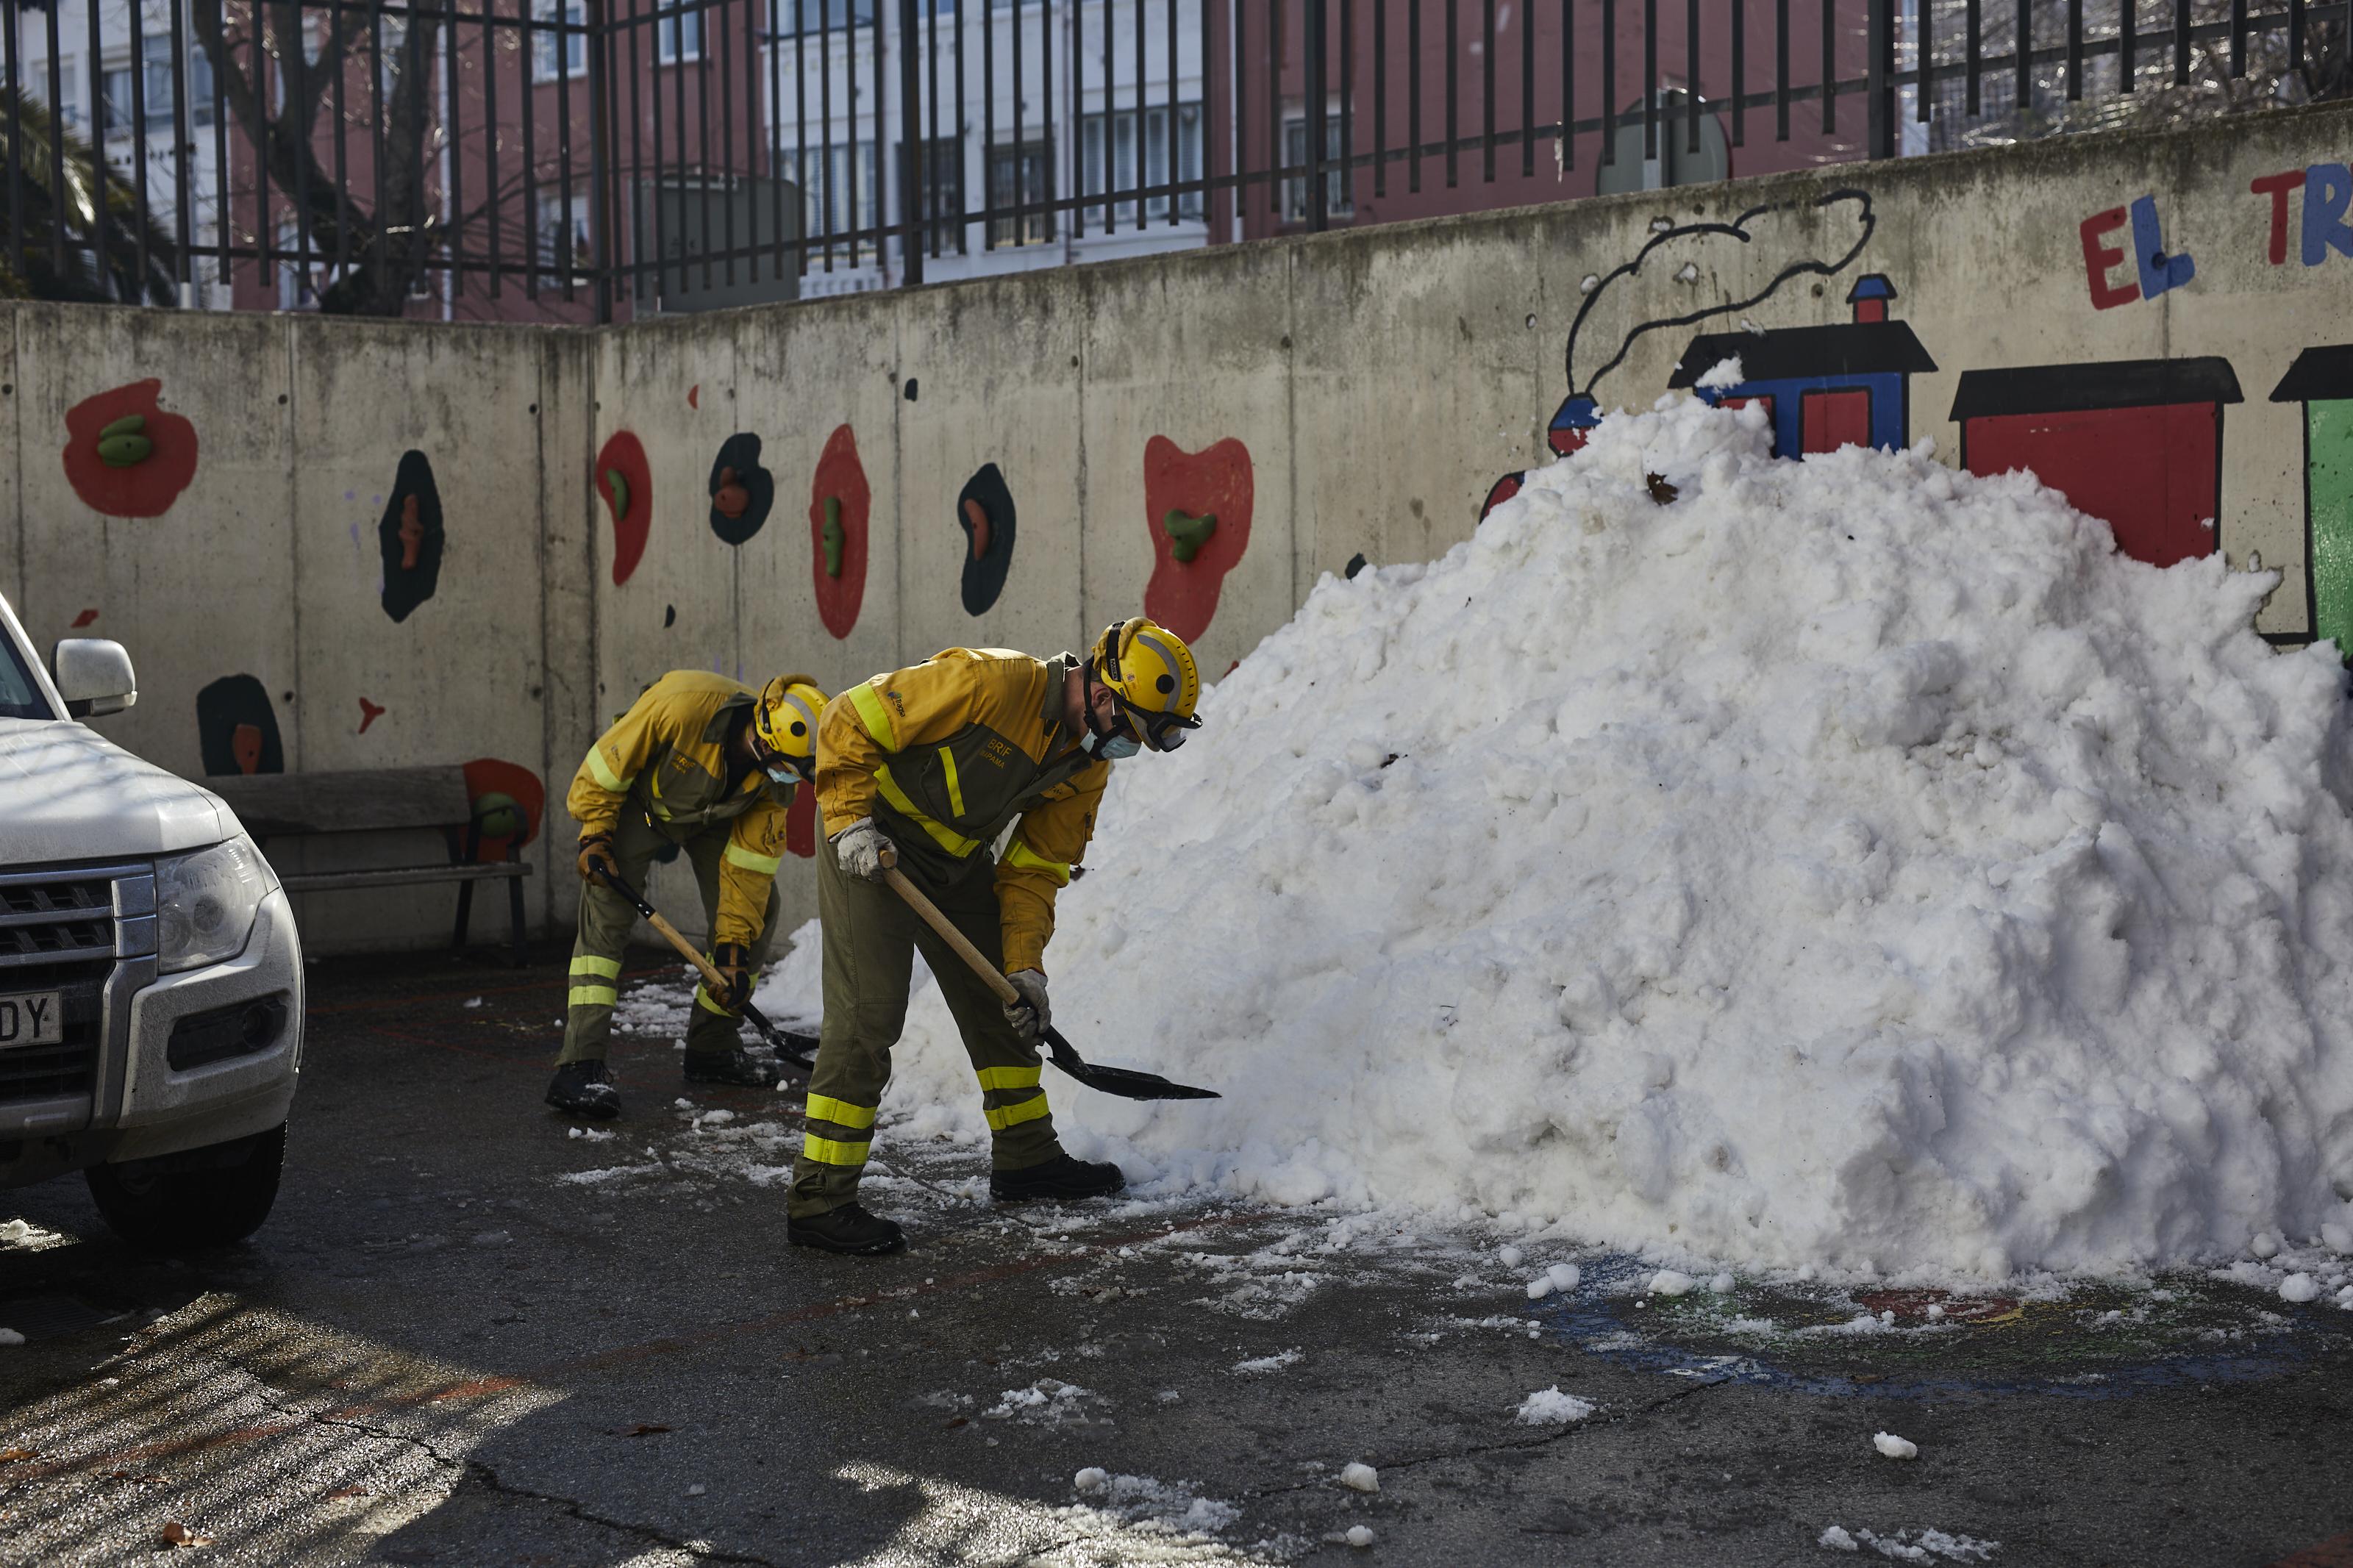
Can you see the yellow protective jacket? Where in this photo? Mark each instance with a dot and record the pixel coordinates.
(945, 755)
(667, 759)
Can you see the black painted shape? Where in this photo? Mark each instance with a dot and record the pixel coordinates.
(1355, 564)
(741, 452)
(221, 707)
(911, 389)
(2073, 388)
(405, 587)
(669, 615)
(984, 577)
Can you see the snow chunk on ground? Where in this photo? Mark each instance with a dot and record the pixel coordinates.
(1895, 1448)
(1274, 1363)
(1986, 895)
(1837, 1540)
(2299, 1287)
(1049, 1402)
(1360, 1478)
(1358, 1536)
(1551, 1407)
(1563, 1276)
(1671, 1282)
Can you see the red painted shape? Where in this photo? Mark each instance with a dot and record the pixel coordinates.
(369, 713)
(1183, 595)
(694, 395)
(144, 488)
(2335, 1552)
(2099, 259)
(2153, 473)
(1565, 441)
(2277, 188)
(800, 823)
(1501, 491)
(625, 454)
(84, 619)
(244, 745)
(1870, 309)
(1835, 420)
(489, 775)
(840, 475)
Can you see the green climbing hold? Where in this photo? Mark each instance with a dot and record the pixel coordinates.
(1188, 535)
(123, 451)
(618, 487)
(834, 535)
(497, 815)
(128, 425)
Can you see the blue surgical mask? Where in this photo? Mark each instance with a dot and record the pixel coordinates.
(1110, 750)
(783, 776)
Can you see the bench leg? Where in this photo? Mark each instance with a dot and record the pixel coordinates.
(465, 914)
(514, 909)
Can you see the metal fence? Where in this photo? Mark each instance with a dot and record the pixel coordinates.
(572, 159)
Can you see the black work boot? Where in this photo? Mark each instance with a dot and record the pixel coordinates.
(849, 1229)
(1060, 1177)
(584, 1089)
(735, 1066)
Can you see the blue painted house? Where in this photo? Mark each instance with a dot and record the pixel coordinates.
(1844, 385)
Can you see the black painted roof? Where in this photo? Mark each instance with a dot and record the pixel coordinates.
(1786, 353)
(2108, 384)
(2316, 374)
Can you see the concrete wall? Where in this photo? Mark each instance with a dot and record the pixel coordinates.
(1379, 383)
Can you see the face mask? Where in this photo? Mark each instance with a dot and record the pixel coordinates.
(1111, 749)
(783, 776)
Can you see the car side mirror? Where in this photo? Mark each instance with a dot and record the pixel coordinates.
(93, 675)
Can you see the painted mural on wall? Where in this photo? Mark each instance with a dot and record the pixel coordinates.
(409, 537)
(509, 805)
(2321, 381)
(124, 456)
(985, 517)
(1196, 509)
(742, 492)
(624, 479)
(237, 728)
(1847, 384)
(839, 502)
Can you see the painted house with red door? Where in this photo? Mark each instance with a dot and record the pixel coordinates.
(2135, 442)
(1845, 384)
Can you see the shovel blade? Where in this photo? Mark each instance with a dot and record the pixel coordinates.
(1125, 1082)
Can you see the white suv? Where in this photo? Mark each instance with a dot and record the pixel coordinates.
(151, 982)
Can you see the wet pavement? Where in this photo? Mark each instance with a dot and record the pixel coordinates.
(467, 1336)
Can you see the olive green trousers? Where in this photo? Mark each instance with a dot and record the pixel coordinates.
(870, 939)
(606, 920)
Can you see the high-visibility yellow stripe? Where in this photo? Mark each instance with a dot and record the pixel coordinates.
(1013, 1115)
(593, 996)
(1010, 1078)
(1020, 854)
(956, 790)
(825, 1107)
(874, 715)
(588, 963)
(947, 837)
(604, 773)
(831, 1151)
(765, 865)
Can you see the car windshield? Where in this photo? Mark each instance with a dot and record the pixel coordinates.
(19, 698)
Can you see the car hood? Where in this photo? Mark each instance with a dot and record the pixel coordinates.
(68, 794)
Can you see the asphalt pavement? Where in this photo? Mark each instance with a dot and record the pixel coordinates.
(469, 1336)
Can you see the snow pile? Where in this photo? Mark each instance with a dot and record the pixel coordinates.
(1895, 1448)
(1849, 861)
(1551, 1407)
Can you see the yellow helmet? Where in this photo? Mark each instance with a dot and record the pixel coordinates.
(1152, 679)
(783, 725)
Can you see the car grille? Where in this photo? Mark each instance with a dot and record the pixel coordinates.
(57, 932)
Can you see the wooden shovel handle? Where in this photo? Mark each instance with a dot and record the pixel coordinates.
(973, 958)
(710, 977)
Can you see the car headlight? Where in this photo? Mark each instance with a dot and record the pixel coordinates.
(204, 904)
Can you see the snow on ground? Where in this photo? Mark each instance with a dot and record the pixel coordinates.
(1925, 1545)
(1551, 1407)
(1850, 863)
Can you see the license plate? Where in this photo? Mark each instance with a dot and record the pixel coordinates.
(35, 1018)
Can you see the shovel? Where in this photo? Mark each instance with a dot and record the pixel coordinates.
(1125, 1082)
(789, 1046)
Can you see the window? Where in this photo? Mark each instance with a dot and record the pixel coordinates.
(681, 33)
(1116, 164)
(1017, 176)
(942, 190)
(555, 254)
(68, 91)
(543, 45)
(830, 192)
(114, 99)
(1335, 180)
(161, 88)
(20, 698)
(816, 16)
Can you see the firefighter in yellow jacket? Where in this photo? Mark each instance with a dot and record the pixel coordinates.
(710, 765)
(936, 762)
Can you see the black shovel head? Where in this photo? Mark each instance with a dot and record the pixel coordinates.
(1125, 1082)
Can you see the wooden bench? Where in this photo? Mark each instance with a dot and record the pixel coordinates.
(378, 800)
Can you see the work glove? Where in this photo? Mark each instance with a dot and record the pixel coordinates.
(1029, 1016)
(596, 850)
(859, 848)
(733, 962)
